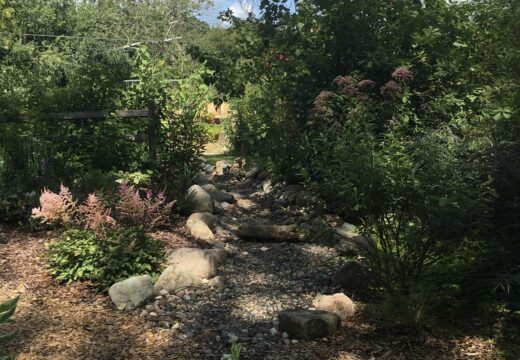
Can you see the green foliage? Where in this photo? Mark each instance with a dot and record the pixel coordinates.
(425, 165)
(183, 135)
(7, 310)
(235, 352)
(83, 255)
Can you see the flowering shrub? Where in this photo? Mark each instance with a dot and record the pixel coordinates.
(376, 151)
(96, 215)
(56, 208)
(149, 211)
(100, 249)
(61, 209)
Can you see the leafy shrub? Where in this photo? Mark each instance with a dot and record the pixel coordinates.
(84, 255)
(7, 310)
(417, 188)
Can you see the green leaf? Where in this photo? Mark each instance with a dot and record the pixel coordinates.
(8, 305)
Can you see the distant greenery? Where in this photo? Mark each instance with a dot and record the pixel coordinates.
(78, 60)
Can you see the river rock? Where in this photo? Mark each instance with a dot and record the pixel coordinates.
(200, 200)
(308, 324)
(199, 263)
(200, 224)
(339, 304)
(132, 292)
(173, 279)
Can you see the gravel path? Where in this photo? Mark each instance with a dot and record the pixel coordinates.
(60, 321)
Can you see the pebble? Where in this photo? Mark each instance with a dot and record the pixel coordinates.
(264, 248)
(163, 292)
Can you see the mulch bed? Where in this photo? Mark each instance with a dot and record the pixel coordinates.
(72, 321)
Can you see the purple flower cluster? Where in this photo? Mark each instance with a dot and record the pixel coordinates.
(322, 99)
(365, 85)
(343, 81)
(390, 88)
(402, 74)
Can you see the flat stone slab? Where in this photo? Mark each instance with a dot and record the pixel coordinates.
(308, 324)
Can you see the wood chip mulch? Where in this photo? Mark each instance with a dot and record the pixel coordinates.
(71, 321)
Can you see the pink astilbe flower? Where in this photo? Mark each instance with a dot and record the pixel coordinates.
(158, 210)
(97, 216)
(130, 206)
(150, 211)
(56, 208)
(402, 74)
(365, 85)
(390, 88)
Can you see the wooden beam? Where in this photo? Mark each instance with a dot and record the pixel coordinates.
(77, 115)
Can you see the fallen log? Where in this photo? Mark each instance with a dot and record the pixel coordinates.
(274, 233)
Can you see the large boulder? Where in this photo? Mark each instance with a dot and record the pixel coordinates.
(201, 179)
(222, 196)
(131, 293)
(339, 304)
(173, 279)
(200, 225)
(308, 324)
(200, 263)
(209, 188)
(219, 254)
(354, 277)
(200, 200)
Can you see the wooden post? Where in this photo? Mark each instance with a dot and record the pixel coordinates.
(153, 129)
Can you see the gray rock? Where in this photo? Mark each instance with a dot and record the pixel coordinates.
(339, 304)
(245, 184)
(346, 230)
(267, 186)
(221, 196)
(200, 224)
(200, 179)
(350, 242)
(200, 200)
(354, 277)
(220, 255)
(207, 218)
(173, 279)
(131, 293)
(197, 262)
(217, 282)
(209, 188)
(308, 324)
